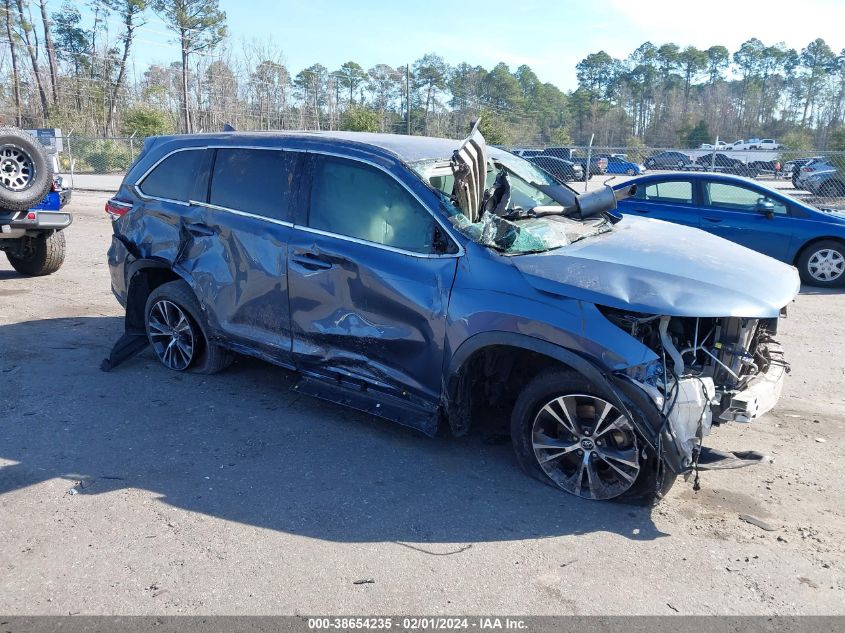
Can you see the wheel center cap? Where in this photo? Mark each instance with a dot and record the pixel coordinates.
(587, 444)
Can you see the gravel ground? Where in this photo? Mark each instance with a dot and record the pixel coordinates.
(146, 492)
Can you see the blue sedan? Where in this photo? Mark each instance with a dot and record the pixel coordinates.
(750, 214)
(619, 164)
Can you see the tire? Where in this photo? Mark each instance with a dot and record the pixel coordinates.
(193, 350)
(823, 264)
(26, 173)
(39, 256)
(631, 475)
(680, 164)
(630, 172)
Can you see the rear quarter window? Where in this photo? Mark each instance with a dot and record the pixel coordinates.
(174, 178)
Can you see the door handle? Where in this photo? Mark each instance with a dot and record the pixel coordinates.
(714, 220)
(198, 229)
(311, 261)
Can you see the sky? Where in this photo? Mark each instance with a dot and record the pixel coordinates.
(551, 36)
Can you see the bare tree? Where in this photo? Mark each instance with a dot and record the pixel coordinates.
(51, 50)
(16, 86)
(32, 49)
(130, 12)
(201, 26)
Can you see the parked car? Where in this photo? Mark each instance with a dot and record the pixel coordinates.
(597, 167)
(825, 184)
(426, 280)
(814, 166)
(525, 153)
(726, 164)
(717, 146)
(792, 168)
(737, 145)
(619, 164)
(766, 143)
(562, 170)
(750, 214)
(31, 200)
(670, 160)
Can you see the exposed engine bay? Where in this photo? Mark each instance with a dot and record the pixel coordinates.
(711, 370)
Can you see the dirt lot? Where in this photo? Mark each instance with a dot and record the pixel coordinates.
(146, 492)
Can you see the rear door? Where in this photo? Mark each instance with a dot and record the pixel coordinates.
(369, 285)
(729, 210)
(671, 199)
(237, 245)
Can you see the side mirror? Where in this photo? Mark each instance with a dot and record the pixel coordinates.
(766, 207)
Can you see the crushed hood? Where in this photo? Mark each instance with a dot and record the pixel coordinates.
(657, 267)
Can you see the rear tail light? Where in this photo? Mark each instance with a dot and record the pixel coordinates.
(808, 169)
(117, 208)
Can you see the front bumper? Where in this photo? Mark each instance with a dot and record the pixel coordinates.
(761, 393)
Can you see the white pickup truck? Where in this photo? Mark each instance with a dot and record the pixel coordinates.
(754, 143)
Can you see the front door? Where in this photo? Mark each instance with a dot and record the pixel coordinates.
(370, 277)
(730, 210)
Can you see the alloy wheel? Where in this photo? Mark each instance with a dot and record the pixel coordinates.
(16, 168)
(171, 335)
(586, 446)
(826, 265)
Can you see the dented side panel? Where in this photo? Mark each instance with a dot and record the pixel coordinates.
(490, 295)
(239, 273)
(369, 314)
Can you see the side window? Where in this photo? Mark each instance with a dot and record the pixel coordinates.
(253, 180)
(168, 180)
(353, 199)
(671, 191)
(719, 194)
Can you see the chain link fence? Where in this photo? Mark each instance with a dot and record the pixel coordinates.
(101, 163)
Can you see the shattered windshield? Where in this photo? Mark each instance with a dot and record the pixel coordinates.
(517, 217)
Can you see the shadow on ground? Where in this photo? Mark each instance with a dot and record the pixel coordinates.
(240, 446)
(816, 290)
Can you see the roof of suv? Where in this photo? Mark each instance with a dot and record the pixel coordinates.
(407, 148)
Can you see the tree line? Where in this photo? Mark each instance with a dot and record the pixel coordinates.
(668, 95)
(63, 70)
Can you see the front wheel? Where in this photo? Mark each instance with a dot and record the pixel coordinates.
(823, 264)
(566, 433)
(38, 256)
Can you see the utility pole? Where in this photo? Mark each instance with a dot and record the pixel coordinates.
(408, 95)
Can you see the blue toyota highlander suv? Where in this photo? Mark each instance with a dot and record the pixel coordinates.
(438, 283)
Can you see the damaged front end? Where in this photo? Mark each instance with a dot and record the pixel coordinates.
(708, 371)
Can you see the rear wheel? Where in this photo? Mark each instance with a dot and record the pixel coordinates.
(38, 256)
(823, 264)
(178, 333)
(566, 433)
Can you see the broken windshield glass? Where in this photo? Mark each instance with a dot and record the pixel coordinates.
(517, 217)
